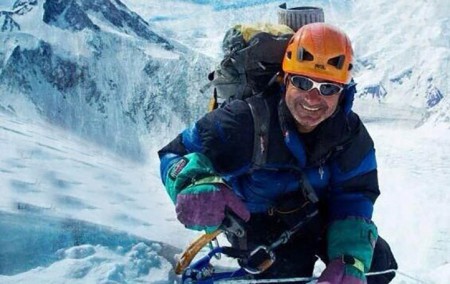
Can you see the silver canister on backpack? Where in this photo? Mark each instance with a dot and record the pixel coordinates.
(297, 17)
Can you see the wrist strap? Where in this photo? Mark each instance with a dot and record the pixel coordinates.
(350, 260)
(208, 180)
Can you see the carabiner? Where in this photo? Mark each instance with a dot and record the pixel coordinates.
(259, 260)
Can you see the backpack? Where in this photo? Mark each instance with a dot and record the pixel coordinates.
(252, 60)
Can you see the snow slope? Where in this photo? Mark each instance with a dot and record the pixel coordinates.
(73, 212)
(51, 182)
(412, 212)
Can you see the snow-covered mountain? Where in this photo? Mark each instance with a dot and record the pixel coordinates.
(101, 70)
(404, 48)
(128, 79)
(97, 68)
(82, 14)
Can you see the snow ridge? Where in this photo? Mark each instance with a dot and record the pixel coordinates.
(74, 15)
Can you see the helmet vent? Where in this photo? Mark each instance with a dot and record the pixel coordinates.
(304, 55)
(337, 61)
(289, 54)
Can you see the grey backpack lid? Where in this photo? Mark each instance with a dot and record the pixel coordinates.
(297, 17)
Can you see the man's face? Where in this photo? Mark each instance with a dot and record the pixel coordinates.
(310, 108)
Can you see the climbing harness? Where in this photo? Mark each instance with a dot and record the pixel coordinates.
(254, 262)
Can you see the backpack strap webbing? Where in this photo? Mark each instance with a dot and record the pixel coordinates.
(261, 120)
(308, 190)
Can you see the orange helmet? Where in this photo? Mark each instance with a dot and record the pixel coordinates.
(319, 50)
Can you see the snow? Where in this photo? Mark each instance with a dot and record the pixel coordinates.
(49, 169)
(99, 264)
(51, 179)
(73, 212)
(6, 5)
(57, 180)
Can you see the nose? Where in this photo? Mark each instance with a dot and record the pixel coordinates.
(313, 96)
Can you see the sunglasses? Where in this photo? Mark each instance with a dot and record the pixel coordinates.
(307, 84)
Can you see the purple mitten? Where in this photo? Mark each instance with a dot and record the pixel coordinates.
(337, 272)
(202, 207)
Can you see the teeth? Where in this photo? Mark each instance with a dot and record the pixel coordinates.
(310, 108)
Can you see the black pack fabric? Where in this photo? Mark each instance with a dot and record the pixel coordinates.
(252, 57)
(252, 60)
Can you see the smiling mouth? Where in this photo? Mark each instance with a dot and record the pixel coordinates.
(310, 108)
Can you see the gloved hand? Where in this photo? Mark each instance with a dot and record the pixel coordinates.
(350, 248)
(338, 271)
(200, 195)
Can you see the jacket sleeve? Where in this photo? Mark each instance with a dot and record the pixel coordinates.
(354, 182)
(224, 135)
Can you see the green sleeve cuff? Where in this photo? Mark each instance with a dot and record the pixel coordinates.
(354, 237)
(191, 169)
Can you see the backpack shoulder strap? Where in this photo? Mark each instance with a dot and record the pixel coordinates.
(261, 121)
(308, 190)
